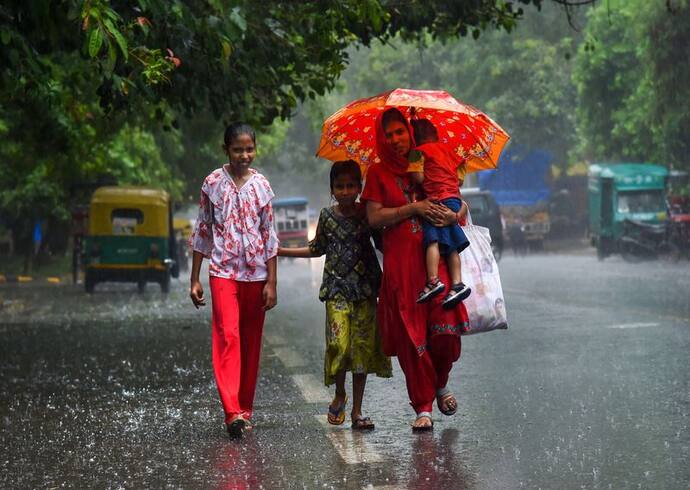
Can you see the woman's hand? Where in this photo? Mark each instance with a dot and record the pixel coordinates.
(270, 296)
(440, 215)
(196, 292)
(423, 208)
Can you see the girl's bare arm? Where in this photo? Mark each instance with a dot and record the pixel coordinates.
(270, 294)
(303, 252)
(196, 292)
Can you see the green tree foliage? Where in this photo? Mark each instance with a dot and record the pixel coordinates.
(633, 83)
(522, 79)
(244, 59)
(92, 87)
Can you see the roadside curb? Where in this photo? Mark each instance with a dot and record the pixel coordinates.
(25, 279)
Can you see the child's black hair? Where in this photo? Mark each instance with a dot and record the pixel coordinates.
(345, 167)
(236, 129)
(424, 131)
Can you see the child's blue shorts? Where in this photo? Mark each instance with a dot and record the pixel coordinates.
(451, 237)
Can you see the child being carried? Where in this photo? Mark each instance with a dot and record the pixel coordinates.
(436, 169)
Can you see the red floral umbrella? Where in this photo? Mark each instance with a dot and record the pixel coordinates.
(466, 131)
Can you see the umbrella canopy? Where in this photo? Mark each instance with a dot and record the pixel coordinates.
(349, 134)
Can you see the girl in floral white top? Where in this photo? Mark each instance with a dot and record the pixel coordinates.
(235, 232)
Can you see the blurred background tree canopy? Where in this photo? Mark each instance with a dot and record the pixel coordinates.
(632, 76)
(138, 92)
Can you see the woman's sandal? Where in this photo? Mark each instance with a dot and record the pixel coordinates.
(336, 416)
(423, 428)
(362, 423)
(443, 396)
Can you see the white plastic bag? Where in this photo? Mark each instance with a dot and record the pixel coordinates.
(485, 306)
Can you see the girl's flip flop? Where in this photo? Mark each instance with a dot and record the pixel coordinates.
(362, 423)
(336, 416)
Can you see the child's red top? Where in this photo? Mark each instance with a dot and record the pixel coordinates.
(440, 172)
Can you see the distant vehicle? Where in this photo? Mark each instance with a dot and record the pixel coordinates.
(679, 216)
(485, 212)
(678, 202)
(521, 188)
(568, 206)
(183, 232)
(130, 238)
(292, 221)
(627, 209)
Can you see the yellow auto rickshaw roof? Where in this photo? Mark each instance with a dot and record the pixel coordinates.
(132, 195)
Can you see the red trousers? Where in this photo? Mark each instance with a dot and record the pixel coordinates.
(429, 372)
(238, 321)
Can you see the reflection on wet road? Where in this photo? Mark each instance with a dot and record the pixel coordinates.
(588, 388)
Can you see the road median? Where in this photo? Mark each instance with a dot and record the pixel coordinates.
(20, 279)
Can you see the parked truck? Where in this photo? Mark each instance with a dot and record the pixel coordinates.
(521, 188)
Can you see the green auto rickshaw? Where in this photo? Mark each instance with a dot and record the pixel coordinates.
(623, 197)
(130, 238)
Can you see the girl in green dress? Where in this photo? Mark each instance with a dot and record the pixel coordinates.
(351, 279)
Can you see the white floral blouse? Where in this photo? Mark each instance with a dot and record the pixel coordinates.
(235, 226)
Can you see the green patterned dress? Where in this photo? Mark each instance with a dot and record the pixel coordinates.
(351, 279)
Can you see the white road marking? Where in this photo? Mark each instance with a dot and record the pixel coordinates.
(312, 390)
(634, 325)
(352, 447)
(289, 357)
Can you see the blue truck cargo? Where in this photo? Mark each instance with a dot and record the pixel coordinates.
(521, 186)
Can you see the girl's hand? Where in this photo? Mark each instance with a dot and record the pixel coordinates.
(196, 292)
(270, 296)
(440, 215)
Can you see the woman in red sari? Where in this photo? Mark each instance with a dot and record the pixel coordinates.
(425, 337)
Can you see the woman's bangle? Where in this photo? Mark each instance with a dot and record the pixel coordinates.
(397, 212)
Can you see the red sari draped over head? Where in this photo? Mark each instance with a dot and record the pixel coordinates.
(404, 269)
(393, 162)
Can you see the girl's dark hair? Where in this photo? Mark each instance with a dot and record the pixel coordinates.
(236, 129)
(346, 167)
(391, 115)
(424, 131)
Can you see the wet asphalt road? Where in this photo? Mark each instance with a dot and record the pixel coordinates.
(590, 387)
